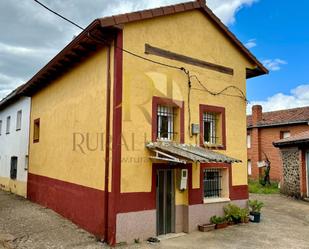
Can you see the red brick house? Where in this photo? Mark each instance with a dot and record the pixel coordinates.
(294, 152)
(265, 128)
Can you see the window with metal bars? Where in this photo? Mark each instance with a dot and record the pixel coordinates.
(212, 183)
(165, 122)
(210, 125)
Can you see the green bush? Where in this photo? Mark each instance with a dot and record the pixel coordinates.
(257, 188)
(255, 206)
(217, 220)
(232, 213)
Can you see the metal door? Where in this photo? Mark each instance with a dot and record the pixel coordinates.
(165, 202)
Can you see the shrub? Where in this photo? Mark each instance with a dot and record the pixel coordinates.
(255, 206)
(217, 220)
(232, 213)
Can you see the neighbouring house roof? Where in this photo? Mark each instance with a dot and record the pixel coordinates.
(190, 153)
(298, 139)
(11, 97)
(107, 27)
(283, 117)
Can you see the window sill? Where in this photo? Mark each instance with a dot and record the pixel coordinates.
(216, 200)
(213, 146)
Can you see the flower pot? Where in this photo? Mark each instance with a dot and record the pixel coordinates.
(255, 217)
(222, 225)
(206, 227)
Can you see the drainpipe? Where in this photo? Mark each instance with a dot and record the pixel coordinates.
(107, 140)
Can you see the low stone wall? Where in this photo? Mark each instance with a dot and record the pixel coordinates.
(291, 172)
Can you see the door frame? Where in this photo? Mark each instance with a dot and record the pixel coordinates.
(173, 223)
(307, 171)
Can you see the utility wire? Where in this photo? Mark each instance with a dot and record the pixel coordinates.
(100, 39)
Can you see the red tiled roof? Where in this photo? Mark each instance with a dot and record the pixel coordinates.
(289, 116)
(299, 138)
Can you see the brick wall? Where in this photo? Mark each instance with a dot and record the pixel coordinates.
(261, 141)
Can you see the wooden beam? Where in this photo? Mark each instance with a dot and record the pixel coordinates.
(186, 59)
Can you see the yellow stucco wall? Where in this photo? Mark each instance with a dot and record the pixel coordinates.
(193, 35)
(13, 186)
(74, 103)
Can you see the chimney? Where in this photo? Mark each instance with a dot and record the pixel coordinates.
(256, 114)
(201, 2)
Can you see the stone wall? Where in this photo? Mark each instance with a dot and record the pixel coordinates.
(291, 172)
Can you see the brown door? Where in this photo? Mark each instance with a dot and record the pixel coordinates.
(165, 202)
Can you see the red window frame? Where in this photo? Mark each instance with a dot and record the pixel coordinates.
(169, 102)
(218, 110)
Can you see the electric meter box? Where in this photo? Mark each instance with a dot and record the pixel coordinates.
(182, 177)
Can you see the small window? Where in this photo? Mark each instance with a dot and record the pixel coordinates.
(13, 173)
(249, 168)
(248, 141)
(18, 120)
(210, 122)
(285, 134)
(0, 127)
(165, 122)
(8, 124)
(212, 183)
(36, 131)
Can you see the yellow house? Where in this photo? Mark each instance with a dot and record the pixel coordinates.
(138, 126)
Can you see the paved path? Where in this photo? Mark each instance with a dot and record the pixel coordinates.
(285, 224)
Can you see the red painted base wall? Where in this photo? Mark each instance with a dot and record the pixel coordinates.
(82, 205)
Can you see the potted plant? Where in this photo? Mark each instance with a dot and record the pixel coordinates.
(244, 215)
(220, 222)
(206, 227)
(232, 214)
(255, 210)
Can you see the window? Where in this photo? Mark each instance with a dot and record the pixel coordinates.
(13, 173)
(212, 125)
(165, 118)
(210, 128)
(285, 134)
(249, 168)
(18, 120)
(212, 183)
(36, 131)
(8, 124)
(248, 141)
(0, 127)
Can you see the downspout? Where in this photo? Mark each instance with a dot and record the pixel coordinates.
(107, 140)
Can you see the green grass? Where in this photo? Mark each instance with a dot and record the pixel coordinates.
(256, 188)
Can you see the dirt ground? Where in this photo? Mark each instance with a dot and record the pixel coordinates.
(285, 224)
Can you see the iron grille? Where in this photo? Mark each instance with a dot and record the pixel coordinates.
(210, 124)
(165, 119)
(212, 183)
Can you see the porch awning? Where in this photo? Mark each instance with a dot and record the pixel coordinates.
(183, 153)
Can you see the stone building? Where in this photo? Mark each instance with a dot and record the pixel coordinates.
(295, 164)
(264, 128)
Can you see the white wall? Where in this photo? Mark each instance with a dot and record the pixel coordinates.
(16, 142)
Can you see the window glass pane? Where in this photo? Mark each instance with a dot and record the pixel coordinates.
(209, 120)
(212, 183)
(248, 141)
(8, 124)
(286, 134)
(18, 120)
(165, 117)
(36, 131)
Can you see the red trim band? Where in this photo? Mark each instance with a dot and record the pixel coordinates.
(82, 205)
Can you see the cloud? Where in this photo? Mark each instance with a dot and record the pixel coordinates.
(251, 43)
(298, 97)
(274, 64)
(227, 9)
(33, 35)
